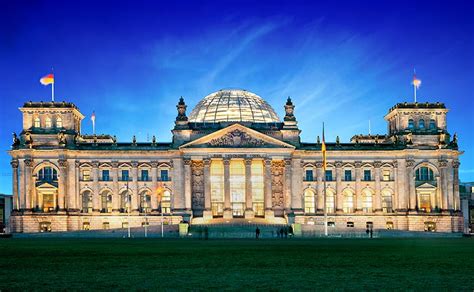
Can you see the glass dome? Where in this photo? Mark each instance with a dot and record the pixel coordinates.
(233, 105)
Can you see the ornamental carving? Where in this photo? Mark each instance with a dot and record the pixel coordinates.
(338, 164)
(319, 164)
(154, 164)
(277, 183)
(236, 138)
(358, 164)
(62, 162)
(248, 161)
(187, 161)
(410, 162)
(287, 162)
(14, 163)
(77, 163)
(134, 164)
(28, 162)
(114, 164)
(377, 164)
(197, 184)
(456, 164)
(207, 161)
(442, 163)
(395, 164)
(95, 164)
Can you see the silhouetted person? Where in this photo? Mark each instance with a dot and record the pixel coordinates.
(206, 233)
(367, 231)
(286, 232)
(257, 233)
(290, 230)
(371, 232)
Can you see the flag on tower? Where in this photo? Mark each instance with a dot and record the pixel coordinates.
(416, 83)
(323, 149)
(93, 122)
(48, 79)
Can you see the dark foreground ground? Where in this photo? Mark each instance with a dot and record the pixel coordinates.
(328, 264)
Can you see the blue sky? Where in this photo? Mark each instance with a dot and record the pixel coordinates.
(343, 63)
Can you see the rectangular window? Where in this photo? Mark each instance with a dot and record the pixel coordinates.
(331, 224)
(86, 175)
(105, 175)
(328, 175)
(309, 175)
(347, 175)
(367, 175)
(125, 175)
(350, 224)
(164, 175)
(105, 225)
(389, 225)
(86, 226)
(124, 224)
(386, 175)
(144, 175)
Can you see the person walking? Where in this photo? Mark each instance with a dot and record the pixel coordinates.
(257, 233)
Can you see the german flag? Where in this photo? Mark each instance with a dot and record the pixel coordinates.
(48, 79)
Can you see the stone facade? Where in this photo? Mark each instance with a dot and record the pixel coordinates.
(235, 167)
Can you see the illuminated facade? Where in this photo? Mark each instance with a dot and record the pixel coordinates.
(234, 158)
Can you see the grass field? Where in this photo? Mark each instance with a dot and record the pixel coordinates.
(388, 264)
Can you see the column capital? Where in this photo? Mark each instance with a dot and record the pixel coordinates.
(114, 164)
(248, 161)
(134, 164)
(207, 161)
(62, 163)
(268, 161)
(410, 162)
(395, 164)
(77, 163)
(338, 164)
(319, 164)
(28, 162)
(442, 163)
(187, 161)
(456, 163)
(154, 164)
(14, 163)
(226, 161)
(377, 164)
(358, 164)
(287, 162)
(95, 164)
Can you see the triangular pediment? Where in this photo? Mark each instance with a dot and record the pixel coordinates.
(45, 186)
(426, 186)
(237, 136)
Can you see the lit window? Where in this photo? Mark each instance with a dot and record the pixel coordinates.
(424, 174)
(387, 202)
(369, 225)
(350, 224)
(237, 187)
(367, 175)
(45, 226)
(37, 122)
(309, 175)
(48, 122)
(166, 202)
(87, 202)
(421, 124)
(125, 200)
(328, 175)
(105, 225)
(347, 175)
(330, 203)
(331, 224)
(432, 124)
(386, 175)
(411, 124)
(348, 202)
(106, 200)
(164, 175)
(217, 187)
(59, 122)
(86, 226)
(124, 225)
(430, 226)
(309, 201)
(145, 202)
(86, 174)
(257, 188)
(367, 202)
(389, 225)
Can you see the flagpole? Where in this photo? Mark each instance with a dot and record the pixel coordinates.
(52, 91)
(324, 186)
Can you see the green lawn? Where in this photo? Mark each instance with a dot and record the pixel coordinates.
(393, 264)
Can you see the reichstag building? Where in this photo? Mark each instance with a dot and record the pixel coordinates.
(232, 158)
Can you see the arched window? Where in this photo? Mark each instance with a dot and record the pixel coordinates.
(37, 122)
(421, 124)
(59, 122)
(125, 201)
(330, 202)
(48, 122)
(367, 202)
(348, 202)
(411, 124)
(48, 174)
(309, 201)
(424, 174)
(387, 202)
(106, 202)
(432, 124)
(87, 202)
(166, 202)
(145, 202)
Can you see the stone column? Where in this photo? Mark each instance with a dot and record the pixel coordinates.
(410, 183)
(358, 194)
(71, 187)
(339, 195)
(95, 187)
(227, 202)
(268, 188)
(249, 213)
(287, 185)
(319, 187)
(154, 185)
(16, 199)
(450, 185)
(297, 186)
(134, 188)
(187, 184)
(457, 201)
(378, 198)
(115, 188)
(395, 186)
(28, 186)
(77, 194)
(62, 184)
(207, 214)
(402, 186)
